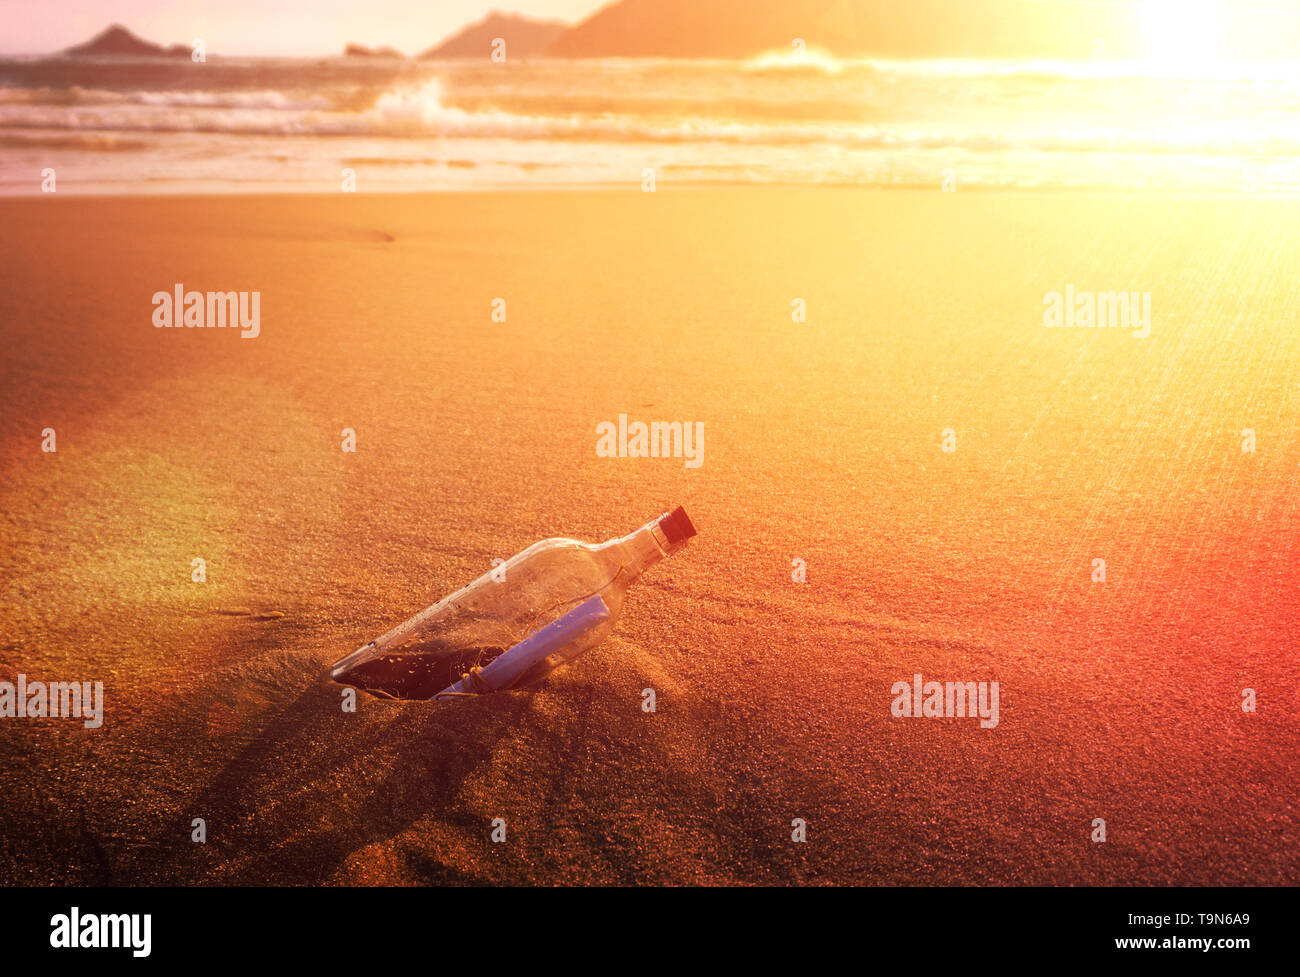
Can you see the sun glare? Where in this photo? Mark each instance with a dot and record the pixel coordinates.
(1181, 34)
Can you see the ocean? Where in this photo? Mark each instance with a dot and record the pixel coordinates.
(320, 125)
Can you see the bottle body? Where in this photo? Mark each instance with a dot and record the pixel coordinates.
(471, 628)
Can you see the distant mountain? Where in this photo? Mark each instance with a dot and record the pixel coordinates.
(871, 28)
(117, 41)
(361, 51)
(524, 37)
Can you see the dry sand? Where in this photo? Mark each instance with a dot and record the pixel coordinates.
(822, 442)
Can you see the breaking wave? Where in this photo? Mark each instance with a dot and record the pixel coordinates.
(420, 111)
(815, 119)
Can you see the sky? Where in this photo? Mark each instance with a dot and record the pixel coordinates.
(1185, 28)
(242, 27)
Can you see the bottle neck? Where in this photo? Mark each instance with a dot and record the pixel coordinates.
(641, 549)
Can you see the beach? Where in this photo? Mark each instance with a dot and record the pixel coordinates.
(824, 445)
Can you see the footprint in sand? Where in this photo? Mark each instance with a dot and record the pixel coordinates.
(253, 615)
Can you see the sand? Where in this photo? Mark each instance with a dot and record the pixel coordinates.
(1118, 700)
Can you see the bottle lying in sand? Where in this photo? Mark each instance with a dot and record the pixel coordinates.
(515, 624)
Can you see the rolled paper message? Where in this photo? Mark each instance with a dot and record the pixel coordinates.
(506, 669)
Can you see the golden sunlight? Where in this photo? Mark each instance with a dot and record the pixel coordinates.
(1181, 35)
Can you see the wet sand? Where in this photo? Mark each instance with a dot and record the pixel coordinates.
(1118, 700)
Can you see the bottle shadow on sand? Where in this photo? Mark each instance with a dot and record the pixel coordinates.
(292, 789)
(301, 786)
